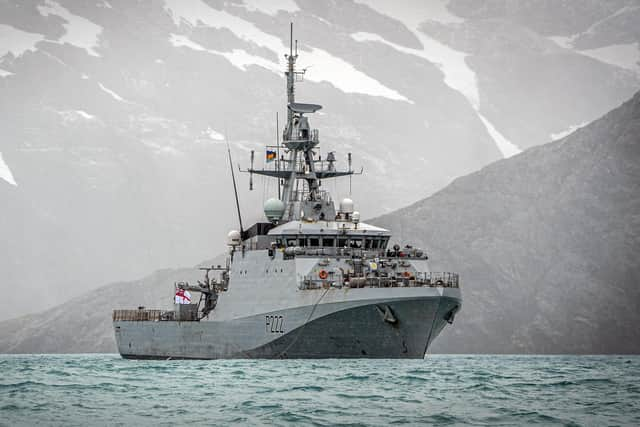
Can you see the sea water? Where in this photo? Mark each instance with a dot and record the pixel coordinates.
(442, 390)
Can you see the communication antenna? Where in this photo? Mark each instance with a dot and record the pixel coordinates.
(291, 38)
(251, 172)
(278, 152)
(350, 170)
(235, 188)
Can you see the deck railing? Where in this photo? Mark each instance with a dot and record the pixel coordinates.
(420, 279)
(139, 315)
(183, 313)
(310, 251)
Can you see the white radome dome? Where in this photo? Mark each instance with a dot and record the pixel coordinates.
(346, 206)
(234, 238)
(274, 209)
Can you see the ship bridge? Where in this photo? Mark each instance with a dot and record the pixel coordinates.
(330, 234)
(316, 234)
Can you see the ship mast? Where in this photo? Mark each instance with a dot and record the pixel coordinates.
(290, 73)
(290, 181)
(299, 140)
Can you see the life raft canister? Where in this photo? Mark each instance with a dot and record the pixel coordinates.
(323, 274)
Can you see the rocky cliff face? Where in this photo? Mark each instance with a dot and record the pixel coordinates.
(546, 242)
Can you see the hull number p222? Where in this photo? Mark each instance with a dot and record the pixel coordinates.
(274, 324)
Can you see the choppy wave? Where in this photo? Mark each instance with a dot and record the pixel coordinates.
(441, 390)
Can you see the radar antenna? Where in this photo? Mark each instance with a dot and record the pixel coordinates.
(301, 174)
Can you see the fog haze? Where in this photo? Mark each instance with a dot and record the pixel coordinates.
(113, 114)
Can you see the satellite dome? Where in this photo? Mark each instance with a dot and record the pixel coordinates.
(234, 238)
(346, 206)
(273, 209)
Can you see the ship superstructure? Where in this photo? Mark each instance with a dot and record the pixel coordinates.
(312, 281)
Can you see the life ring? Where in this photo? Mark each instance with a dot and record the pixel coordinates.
(323, 274)
(407, 274)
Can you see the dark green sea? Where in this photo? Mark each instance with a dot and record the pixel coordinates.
(441, 390)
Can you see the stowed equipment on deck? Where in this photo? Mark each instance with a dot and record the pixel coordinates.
(209, 290)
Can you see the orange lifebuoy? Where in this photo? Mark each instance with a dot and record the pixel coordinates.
(407, 274)
(323, 274)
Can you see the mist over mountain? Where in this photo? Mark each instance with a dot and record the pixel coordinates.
(546, 244)
(113, 114)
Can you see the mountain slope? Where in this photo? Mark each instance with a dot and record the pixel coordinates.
(546, 242)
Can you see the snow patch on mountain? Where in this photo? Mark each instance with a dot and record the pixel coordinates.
(196, 12)
(178, 40)
(334, 70)
(5, 172)
(457, 74)
(271, 7)
(71, 117)
(111, 93)
(344, 76)
(80, 31)
(506, 147)
(237, 57)
(85, 115)
(5, 73)
(570, 129)
(565, 42)
(215, 135)
(17, 41)
(621, 55)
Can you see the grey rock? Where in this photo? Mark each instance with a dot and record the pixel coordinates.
(546, 243)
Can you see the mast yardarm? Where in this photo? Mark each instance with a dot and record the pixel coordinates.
(304, 201)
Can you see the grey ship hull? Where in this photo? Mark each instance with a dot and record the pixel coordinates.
(348, 329)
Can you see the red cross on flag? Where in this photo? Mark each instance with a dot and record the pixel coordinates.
(182, 296)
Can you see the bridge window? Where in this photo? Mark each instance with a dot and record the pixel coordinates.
(292, 242)
(328, 243)
(302, 242)
(356, 243)
(314, 241)
(342, 243)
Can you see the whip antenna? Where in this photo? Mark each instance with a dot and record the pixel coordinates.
(235, 188)
(278, 152)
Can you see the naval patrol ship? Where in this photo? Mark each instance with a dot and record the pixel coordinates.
(310, 282)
